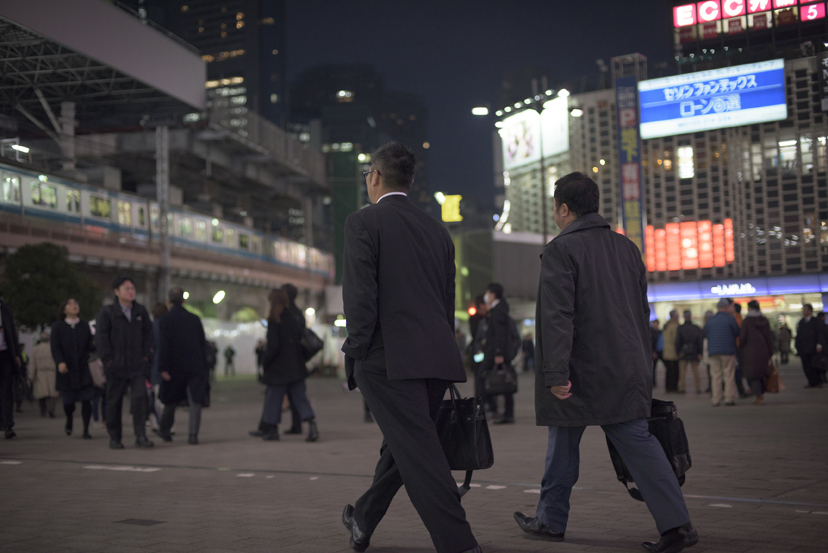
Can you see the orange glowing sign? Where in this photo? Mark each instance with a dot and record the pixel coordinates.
(689, 245)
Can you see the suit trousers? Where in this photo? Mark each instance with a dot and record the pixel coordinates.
(168, 415)
(811, 373)
(7, 370)
(723, 369)
(641, 452)
(115, 390)
(671, 375)
(683, 374)
(410, 455)
(275, 395)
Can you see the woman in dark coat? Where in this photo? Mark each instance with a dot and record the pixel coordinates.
(756, 345)
(284, 367)
(72, 342)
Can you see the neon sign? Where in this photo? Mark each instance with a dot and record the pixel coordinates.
(689, 245)
(743, 289)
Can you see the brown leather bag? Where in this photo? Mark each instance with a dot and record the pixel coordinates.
(772, 382)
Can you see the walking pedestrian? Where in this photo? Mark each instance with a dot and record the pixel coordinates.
(478, 354)
(182, 364)
(295, 416)
(398, 288)
(284, 368)
(722, 331)
(783, 339)
(756, 345)
(593, 284)
(810, 341)
(738, 376)
(10, 365)
(124, 341)
(690, 347)
(496, 348)
(42, 376)
(528, 348)
(21, 385)
(229, 365)
(706, 354)
(657, 342)
(670, 356)
(154, 404)
(72, 342)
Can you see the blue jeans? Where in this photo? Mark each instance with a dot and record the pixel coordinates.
(275, 395)
(641, 452)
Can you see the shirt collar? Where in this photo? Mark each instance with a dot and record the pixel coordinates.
(391, 194)
(494, 303)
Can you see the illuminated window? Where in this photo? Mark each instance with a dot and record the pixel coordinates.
(201, 231)
(685, 162)
(274, 98)
(185, 8)
(224, 34)
(73, 201)
(269, 21)
(217, 235)
(239, 24)
(100, 207)
(124, 213)
(185, 227)
(208, 58)
(11, 189)
(257, 244)
(230, 238)
(345, 96)
(44, 195)
(244, 241)
(239, 16)
(142, 217)
(154, 218)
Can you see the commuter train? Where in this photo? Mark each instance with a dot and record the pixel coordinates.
(47, 197)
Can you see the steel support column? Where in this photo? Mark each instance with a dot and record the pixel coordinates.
(162, 187)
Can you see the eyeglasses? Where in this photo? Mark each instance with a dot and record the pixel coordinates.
(366, 173)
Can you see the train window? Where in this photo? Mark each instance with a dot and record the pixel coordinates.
(244, 241)
(44, 194)
(154, 217)
(73, 201)
(257, 244)
(217, 235)
(100, 207)
(142, 217)
(201, 231)
(124, 213)
(11, 189)
(230, 238)
(185, 227)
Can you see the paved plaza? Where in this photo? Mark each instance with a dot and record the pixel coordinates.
(759, 482)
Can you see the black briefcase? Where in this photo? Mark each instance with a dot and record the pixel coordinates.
(464, 435)
(501, 379)
(669, 431)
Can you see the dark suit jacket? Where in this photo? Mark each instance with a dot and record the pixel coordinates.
(10, 334)
(808, 335)
(593, 328)
(125, 346)
(182, 352)
(398, 290)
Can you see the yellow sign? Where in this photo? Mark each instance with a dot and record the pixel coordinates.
(451, 209)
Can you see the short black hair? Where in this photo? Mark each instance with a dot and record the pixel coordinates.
(753, 305)
(809, 307)
(496, 289)
(738, 307)
(578, 192)
(176, 295)
(396, 164)
(291, 291)
(120, 280)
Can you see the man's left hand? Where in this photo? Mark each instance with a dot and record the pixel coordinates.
(819, 350)
(498, 360)
(166, 376)
(562, 392)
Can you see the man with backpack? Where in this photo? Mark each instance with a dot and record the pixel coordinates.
(501, 346)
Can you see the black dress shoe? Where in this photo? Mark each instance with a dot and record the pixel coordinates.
(87, 436)
(505, 420)
(143, 442)
(256, 433)
(294, 430)
(359, 541)
(476, 549)
(166, 436)
(68, 427)
(534, 527)
(369, 417)
(10, 434)
(313, 431)
(675, 540)
(115, 444)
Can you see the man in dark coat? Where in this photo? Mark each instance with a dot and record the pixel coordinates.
(10, 366)
(182, 364)
(657, 342)
(123, 338)
(594, 366)
(398, 289)
(496, 347)
(690, 348)
(810, 341)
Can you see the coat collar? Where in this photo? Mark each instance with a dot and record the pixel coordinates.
(592, 220)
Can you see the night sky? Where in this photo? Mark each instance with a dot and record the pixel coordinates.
(454, 53)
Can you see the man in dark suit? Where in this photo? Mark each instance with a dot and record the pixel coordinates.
(594, 366)
(398, 291)
(10, 366)
(497, 346)
(810, 341)
(182, 363)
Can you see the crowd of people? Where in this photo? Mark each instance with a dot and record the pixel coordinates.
(733, 349)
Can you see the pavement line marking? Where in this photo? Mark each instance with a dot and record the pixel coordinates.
(746, 500)
(532, 491)
(10, 462)
(122, 468)
(722, 505)
(495, 487)
(314, 478)
(246, 475)
(804, 512)
(271, 476)
(819, 513)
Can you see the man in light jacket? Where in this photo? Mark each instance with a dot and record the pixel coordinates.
(594, 284)
(722, 330)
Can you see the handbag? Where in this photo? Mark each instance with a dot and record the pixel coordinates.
(501, 379)
(464, 435)
(772, 380)
(96, 369)
(311, 343)
(668, 429)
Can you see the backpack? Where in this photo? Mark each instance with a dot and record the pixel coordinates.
(515, 341)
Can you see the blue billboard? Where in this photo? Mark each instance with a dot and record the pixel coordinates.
(707, 100)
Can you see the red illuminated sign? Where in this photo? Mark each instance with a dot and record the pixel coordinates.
(689, 245)
(708, 11)
(734, 26)
(684, 15)
(733, 8)
(783, 3)
(758, 5)
(760, 21)
(709, 30)
(812, 12)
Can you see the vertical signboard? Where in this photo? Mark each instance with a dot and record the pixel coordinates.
(629, 157)
(822, 60)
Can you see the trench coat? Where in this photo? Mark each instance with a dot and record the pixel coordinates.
(284, 362)
(593, 328)
(42, 369)
(72, 346)
(182, 352)
(670, 333)
(756, 346)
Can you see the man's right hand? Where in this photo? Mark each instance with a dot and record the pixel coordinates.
(655, 355)
(562, 392)
(62, 368)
